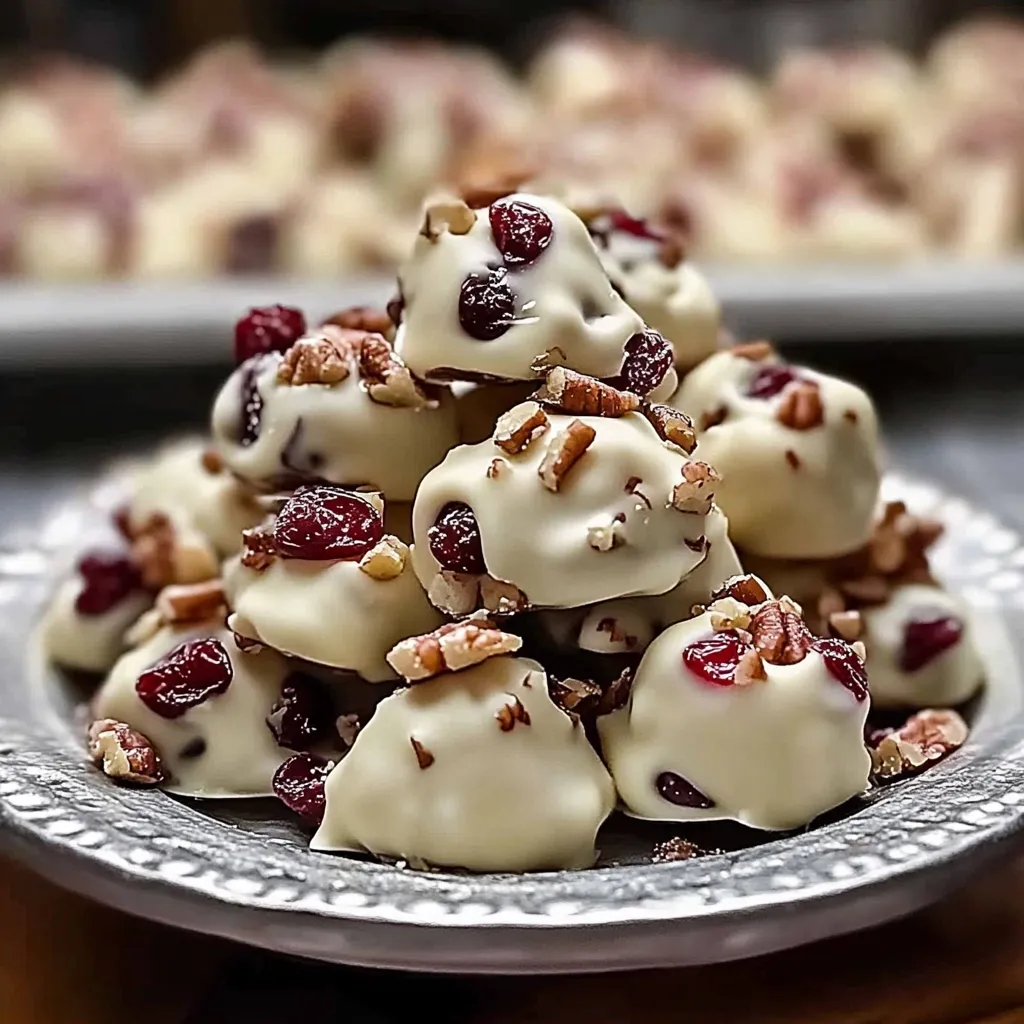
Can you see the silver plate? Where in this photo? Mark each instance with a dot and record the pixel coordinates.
(244, 874)
(165, 323)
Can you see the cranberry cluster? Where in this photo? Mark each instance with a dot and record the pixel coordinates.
(188, 676)
(521, 232)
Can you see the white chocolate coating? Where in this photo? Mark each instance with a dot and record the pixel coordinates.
(241, 753)
(820, 505)
(332, 431)
(949, 678)
(629, 624)
(676, 301)
(329, 612)
(527, 799)
(773, 754)
(177, 484)
(89, 643)
(564, 301)
(537, 539)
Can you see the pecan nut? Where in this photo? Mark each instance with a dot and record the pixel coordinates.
(450, 648)
(779, 634)
(580, 395)
(746, 589)
(386, 559)
(671, 425)
(388, 380)
(518, 428)
(565, 449)
(923, 740)
(319, 359)
(801, 407)
(124, 753)
(755, 351)
(192, 602)
(697, 491)
(258, 548)
(511, 714)
(449, 214)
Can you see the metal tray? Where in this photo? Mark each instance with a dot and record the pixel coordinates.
(118, 323)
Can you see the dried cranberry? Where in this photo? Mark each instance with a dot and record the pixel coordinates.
(521, 231)
(647, 360)
(454, 539)
(716, 658)
(252, 401)
(267, 329)
(676, 790)
(926, 637)
(323, 522)
(770, 380)
(299, 785)
(486, 305)
(302, 715)
(192, 673)
(619, 220)
(843, 664)
(107, 579)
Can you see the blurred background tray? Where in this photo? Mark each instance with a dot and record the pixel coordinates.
(172, 324)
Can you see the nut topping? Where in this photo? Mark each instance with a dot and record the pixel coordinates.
(386, 559)
(565, 449)
(500, 597)
(780, 636)
(454, 593)
(570, 693)
(801, 407)
(164, 557)
(212, 462)
(510, 714)
(362, 318)
(697, 491)
(748, 590)
(755, 351)
(423, 756)
(124, 754)
(671, 425)
(450, 648)
(750, 670)
(923, 740)
(446, 214)
(318, 359)
(846, 625)
(388, 380)
(580, 395)
(713, 418)
(518, 428)
(192, 602)
(258, 548)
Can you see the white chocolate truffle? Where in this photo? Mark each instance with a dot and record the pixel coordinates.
(186, 482)
(628, 625)
(335, 613)
(271, 430)
(921, 649)
(797, 450)
(769, 745)
(476, 312)
(88, 643)
(221, 747)
(669, 292)
(590, 509)
(476, 769)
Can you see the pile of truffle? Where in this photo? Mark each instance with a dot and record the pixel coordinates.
(457, 579)
(236, 165)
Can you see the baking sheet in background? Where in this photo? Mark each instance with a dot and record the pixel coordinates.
(167, 323)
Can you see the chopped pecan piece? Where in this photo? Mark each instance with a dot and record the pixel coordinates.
(446, 214)
(868, 590)
(846, 625)
(318, 359)
(755, 351)
(573, 694)
(192, 602)
(164, 556)
(510, 714)
(713, 418)
(780, 636)
(424, 758)
(388, 380)
(454, 593)
(124, 754)
(671, 425)
(580, 395)
(450, 648)
(518, 428)
(747, 589)
(386, 559)
(672, 251)
(212, 462)
(801, 407)
(923, 740)
(501, 597)
(362, 318)
(615, 694)
(750, 670)
(565, 449)
(258, 548)
(728, 613)
(697, 491)
(347, 727)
